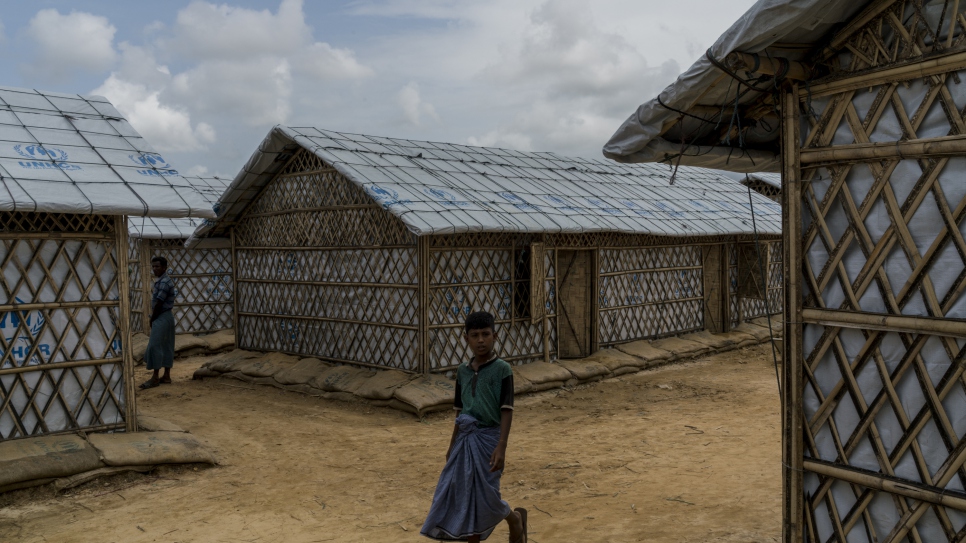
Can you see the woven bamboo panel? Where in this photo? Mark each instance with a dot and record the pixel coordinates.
(884, 238)
(649, 292)
(906, 31)
(33, 223)
(481, 279)
(202, 277)
(60, 346)
(323, 272)
(136, 281)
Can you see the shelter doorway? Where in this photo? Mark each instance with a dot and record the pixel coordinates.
(717, 313)
(575, 334)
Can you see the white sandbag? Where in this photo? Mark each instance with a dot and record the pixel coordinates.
(425, 393)
(302, 372)
(346, 379)
(150, 448)
(45, 457)
(382, 385)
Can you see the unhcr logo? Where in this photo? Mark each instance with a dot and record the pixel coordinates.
(43, 158)
(385, 196)
(155, 163)
(20, 330)
(444, 197)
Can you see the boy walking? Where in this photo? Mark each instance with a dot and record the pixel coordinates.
(467, 504)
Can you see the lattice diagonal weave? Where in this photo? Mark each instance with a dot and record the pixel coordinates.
(885, 237)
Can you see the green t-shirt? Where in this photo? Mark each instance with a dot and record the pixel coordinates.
(482, 394)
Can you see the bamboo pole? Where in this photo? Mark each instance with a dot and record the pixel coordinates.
(234, 285)
(793, 447)
(891, 323)
(652, 270)
(595, 331)
(57, 305)
(124, 324)
(862, 152)
(423, 305)
(873, 10)
(914, 69)
(352, 284)
(62, 365)
(278, 248)
(144, 253)
(909, 489)
(78, 236)
(724, 291)
(330, 319)
(796, 71)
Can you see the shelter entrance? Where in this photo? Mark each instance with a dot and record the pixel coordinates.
(575, 334)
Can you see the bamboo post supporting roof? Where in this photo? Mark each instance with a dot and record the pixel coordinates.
(209, 188)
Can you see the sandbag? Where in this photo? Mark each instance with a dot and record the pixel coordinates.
(539, 373)
(341, 379)
(586, 369)
(203, 372)
(45, 457)
(424, 393)
(740, 339)
(221, 340)
(266, 365)
(139, 344)
(301, 388)
(611, 360)
(382, 385)
(717, 342)
(239, 376)
(226, 362)
(521, 385)
(186, 345)
(150, 448)
(681, 348)
(777, 324)
(148, 423)
(302, 372)
(645, 351)
(67, 483)
(548, 385)
(403, 406)
(758, 332)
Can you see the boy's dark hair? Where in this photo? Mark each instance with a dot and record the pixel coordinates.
(480, 320)
(161, 260)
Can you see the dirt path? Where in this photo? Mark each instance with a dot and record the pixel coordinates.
(688, 452)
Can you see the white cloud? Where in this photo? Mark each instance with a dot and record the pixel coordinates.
(413, 106)
(165, 127)
(68, 44)
(322, 61)
(209, 31)
(256, 91)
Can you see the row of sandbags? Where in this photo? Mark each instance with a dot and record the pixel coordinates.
(72, 459)
(423, 394)
(186, 345)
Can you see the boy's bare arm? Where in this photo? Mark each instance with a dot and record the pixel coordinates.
(498, 459)
(452, 440)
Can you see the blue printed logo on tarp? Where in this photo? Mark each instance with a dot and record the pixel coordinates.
(558, 202)
(43, 158)
(601, 205)
(20, 330)
(156, 164)
(385, 197)
(636, 208)
(517, 201)
(444, 197)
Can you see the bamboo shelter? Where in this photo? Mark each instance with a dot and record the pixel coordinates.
(72, 170)
(860, 105)
(371, 251)
(767, 184)
(203, 275)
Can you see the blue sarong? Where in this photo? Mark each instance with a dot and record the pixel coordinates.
(160, 351)
(467, 500)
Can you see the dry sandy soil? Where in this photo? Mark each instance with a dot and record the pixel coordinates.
(689, 452)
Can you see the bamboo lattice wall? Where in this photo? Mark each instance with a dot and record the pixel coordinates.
(877, 407)
(63, 317)
(203, 282)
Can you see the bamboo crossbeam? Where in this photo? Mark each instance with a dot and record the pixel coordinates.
(914, 69)
(870, 12)
(75, 236)
(410, 286)
(61, 365)
(86, 429)
(659, 302)
(506, 322)
(202, 303)
(328, 319)
(739, 61)
(56, 305)
(319, 209)
(650, 270)
(863, 152)
(890, 323)
(205, 274)
(938, 496)
(354, 248)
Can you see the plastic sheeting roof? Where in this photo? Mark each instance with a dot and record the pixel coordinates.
(442, 188)
(67, 153)
(654, 132)
(210, 188)
(770, 179)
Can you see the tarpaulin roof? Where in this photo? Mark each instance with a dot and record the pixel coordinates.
(67, 153)
(210, 188)
(686, 122)
(770, 179)
(443, 188)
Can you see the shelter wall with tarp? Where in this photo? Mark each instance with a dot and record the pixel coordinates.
(72, 170)
(382, 270)
(864, 116)
(203, 276)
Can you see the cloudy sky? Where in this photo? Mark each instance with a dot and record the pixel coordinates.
(204, 82)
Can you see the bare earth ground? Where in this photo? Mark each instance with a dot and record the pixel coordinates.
(689, 452)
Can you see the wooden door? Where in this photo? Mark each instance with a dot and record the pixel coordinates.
(575, 328)
(716, 303)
